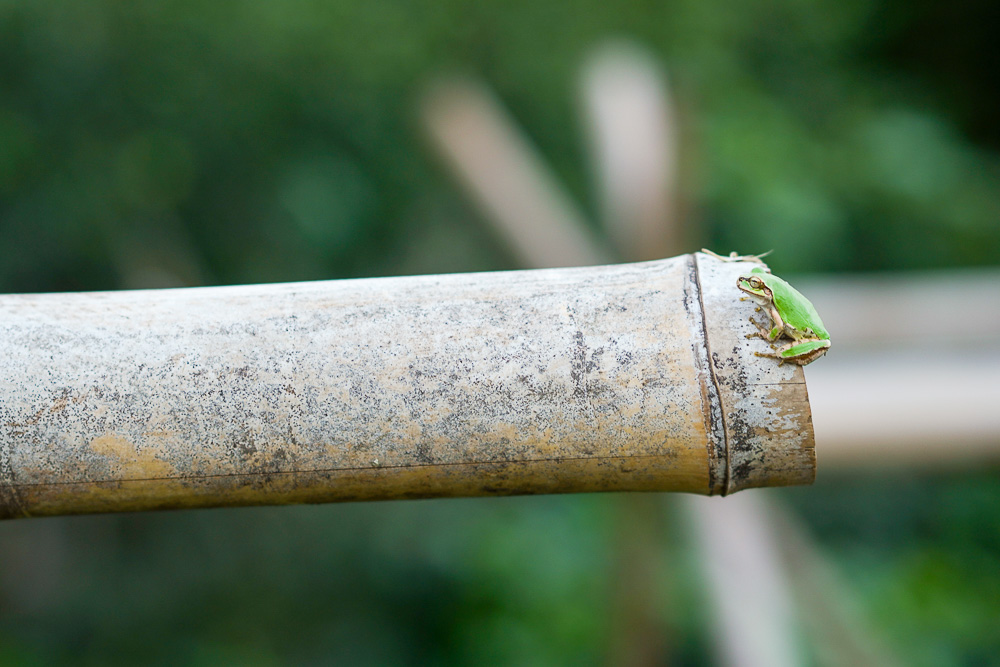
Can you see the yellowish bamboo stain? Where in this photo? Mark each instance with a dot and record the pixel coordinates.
(130, 462)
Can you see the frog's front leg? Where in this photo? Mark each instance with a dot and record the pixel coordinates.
(777, 326)
(800, 352)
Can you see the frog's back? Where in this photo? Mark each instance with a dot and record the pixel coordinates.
(798, 311)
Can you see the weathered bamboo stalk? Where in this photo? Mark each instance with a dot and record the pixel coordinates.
(632, 377)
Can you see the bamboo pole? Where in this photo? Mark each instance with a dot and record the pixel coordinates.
(631, 377)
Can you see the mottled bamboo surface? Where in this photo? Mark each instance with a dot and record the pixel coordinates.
(632, 377)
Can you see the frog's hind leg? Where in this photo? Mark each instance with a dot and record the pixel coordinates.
(797, 352)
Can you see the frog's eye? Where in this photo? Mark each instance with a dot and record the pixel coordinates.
(756, 283)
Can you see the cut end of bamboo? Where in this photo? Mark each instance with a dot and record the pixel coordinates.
(766, 419)
(633, 377)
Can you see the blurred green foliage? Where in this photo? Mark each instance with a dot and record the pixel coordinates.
(153, 143)
(403, 583)
(923, 553)
(150, 142)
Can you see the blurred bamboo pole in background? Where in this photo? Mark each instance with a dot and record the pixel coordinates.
(909, 387)
(507, 178)
(633, 141)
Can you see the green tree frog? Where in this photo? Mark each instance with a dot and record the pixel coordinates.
(792, 316)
